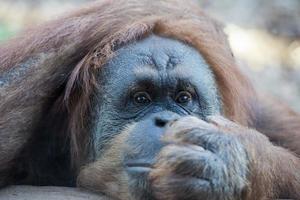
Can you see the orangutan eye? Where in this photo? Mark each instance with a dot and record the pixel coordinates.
(183, 97)
(141, 98)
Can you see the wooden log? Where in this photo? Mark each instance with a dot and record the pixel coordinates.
(47, 193)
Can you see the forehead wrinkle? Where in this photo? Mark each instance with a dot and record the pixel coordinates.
(147, 59)
(146, 72)
(179, 71)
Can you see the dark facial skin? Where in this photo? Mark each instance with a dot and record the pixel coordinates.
(153, 77)
(144, 90)
(151, 82)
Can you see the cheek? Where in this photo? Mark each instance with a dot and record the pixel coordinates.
(107, 173)
(106, 128)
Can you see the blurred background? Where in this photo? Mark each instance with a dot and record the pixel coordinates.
(264, 35)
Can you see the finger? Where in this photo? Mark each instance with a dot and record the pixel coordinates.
(181, 188)
(204, 138)
(222, 123)
(185, 161)
(183, 126)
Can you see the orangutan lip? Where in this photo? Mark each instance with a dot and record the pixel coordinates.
(139, 165)
(138, 170)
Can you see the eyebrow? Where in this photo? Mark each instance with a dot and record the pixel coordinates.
(178, 76)
(146, 73)
(180, 73)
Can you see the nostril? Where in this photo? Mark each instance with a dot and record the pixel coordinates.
(160, 122)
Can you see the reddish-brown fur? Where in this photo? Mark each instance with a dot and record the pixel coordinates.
(72, 48)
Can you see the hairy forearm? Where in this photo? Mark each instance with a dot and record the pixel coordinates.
(274, 170)
(287, 169)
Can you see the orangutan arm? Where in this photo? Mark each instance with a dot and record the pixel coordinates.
(274, 170)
